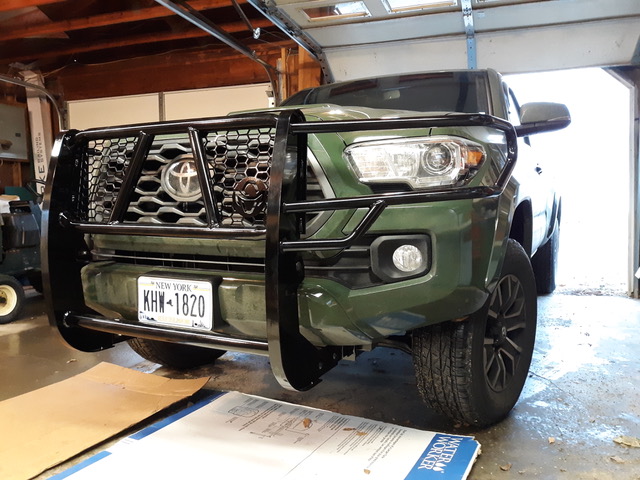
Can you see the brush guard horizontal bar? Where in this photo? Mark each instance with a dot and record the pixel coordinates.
(296, 363)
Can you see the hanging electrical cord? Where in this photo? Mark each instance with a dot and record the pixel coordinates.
(245, 19)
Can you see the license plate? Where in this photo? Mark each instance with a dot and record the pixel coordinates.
(170, 301)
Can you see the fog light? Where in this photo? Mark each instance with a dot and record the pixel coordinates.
(407, 258)
(400, 257)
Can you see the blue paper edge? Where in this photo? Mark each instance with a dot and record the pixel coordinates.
(145, 432)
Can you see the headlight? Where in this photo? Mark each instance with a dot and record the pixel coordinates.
(421, 162)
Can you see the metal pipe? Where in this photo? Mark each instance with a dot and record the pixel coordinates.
(22, 83)
(295, 33)
(139, 229)
(153, 332)
(339, 243)
(245, 19)
(193, 16)
(180, 126)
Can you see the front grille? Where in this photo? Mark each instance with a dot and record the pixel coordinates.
(232, 156)
(237, 160)
(181, 260)
(150, 203)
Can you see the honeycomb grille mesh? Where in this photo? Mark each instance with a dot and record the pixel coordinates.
(150, 202)
(104, 168)
(233, 156)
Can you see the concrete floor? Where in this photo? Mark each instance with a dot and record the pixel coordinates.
(583, 390)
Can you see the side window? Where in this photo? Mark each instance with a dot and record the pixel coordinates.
(514, 111)
(514, 108)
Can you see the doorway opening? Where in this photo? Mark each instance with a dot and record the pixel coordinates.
(591, 165)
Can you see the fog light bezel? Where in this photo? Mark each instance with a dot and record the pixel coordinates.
(382, 250)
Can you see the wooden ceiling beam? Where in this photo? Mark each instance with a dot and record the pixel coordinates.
(7, 5)
(25, 31)
(129, 41)
(201, 68)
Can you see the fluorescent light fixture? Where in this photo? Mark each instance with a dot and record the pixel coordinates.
(395, 6)
(337, 11)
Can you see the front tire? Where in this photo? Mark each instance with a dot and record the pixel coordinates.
(11, 298)
(174, 355)
(473, 371)
(545, 263)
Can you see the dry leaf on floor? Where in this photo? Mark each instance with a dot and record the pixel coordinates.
(506, 468)
(628, 441)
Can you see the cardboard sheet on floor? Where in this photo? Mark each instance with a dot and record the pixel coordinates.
(43, 428)
(241, 436)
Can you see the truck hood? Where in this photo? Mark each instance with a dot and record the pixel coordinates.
(328, 112)
(331, 112)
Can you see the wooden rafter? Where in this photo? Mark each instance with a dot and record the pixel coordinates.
(91, 48)
(7, 5)
(233, 27)
(213, 67)
(106, 19)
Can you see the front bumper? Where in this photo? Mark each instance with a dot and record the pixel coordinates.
(293, 328)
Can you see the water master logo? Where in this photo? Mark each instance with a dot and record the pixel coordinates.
(447, 457)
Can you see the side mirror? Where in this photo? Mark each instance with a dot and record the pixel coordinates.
(541, 117)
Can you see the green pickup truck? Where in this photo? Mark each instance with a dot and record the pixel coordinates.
(404, 211)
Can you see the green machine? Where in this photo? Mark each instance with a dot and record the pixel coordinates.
(20, 241)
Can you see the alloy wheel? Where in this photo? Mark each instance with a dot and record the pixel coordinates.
(505, 332)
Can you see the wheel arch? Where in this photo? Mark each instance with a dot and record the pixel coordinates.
(556, 214)
(521, 226)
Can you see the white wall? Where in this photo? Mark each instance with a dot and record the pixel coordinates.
(103, 112)
(209, 102)
(215, 102)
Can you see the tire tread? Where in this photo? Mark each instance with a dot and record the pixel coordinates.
(444, 360)
(174, 355)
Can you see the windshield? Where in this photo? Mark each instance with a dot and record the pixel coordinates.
(464, 92)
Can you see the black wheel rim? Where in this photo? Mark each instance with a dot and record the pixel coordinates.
(505, 334)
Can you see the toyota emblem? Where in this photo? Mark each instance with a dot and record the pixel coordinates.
(180, 180)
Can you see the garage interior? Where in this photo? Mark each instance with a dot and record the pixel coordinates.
(85, 63)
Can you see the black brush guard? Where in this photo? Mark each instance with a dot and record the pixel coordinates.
(296, 363)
